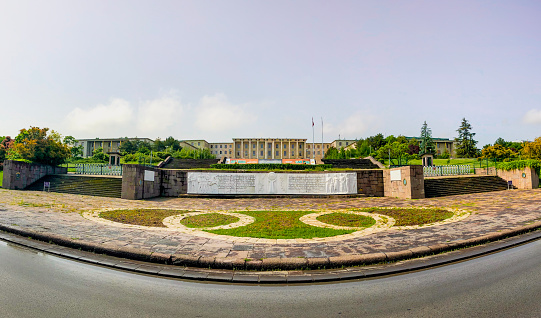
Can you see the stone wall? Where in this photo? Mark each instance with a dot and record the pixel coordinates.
(351, 163)
(134, 185)
(18, 175)
(174, 183)
(404, 182)
(370, 183)
(525, 178)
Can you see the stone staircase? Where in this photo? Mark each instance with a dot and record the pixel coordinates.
(351, 163)
(96, 186)
(439, 187)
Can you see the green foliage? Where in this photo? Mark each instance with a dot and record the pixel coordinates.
(333, 153)
(36, 145)
(270, 166)
(5, 144)
(513, 145)
(185, 153)
(132, 146)
(498, 152)
(99, 156)
(427, 145)
(465, 147)
(532, 150)
(521, 164)
(399, 152)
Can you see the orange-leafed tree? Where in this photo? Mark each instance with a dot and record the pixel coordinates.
(36, 145)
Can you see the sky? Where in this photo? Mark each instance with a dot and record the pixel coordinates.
(218, 70)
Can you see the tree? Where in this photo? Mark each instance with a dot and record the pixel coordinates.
(36, 145)
(5, 144)
(532, 150)
(376, 141)
(426, 145)
(99, 156)
(465, 143)
(397, 151)
(76, 151)
(498, 152)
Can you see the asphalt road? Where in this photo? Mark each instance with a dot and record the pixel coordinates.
(505, 284)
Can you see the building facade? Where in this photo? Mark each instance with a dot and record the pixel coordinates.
(108, 144)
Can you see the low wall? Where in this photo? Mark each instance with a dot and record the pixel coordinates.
(370, 183)
(525, 178)
(351, 163)
(140, 182)
(174, 183)
(18, 175)
(404, 182)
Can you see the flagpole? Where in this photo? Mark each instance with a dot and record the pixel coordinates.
(322, 150)
(313, 141)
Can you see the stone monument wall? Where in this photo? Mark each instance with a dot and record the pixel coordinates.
(174, 183)
(18, 175)
(140, 182)
(405, 182)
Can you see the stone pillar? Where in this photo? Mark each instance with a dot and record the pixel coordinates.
(404, 182)
(140, 182)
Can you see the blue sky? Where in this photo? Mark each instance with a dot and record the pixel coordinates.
(218, 70)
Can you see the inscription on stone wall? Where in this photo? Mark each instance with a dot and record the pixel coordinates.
(271, 183)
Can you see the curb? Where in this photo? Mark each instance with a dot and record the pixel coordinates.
(267, 263)
(242, 271)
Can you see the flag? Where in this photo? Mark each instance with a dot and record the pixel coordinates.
(312, 121)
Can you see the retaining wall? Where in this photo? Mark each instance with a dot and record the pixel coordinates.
(525, 178)
(18, 175)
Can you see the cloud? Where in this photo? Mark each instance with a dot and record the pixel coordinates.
(533, 116)
(216, 114)
(158, 115)
(353, 127)
(117, 114)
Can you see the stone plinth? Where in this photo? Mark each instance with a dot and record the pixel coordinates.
(525, 178)
(140, 182)
(404, 182)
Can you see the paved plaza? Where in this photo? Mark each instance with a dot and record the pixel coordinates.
(62, 215)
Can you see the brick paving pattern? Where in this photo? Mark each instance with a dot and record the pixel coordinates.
(62, 214)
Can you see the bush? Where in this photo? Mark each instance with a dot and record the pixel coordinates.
(271, 166)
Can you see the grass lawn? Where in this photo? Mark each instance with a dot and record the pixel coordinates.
(347, 219)
(279, 225)
(208, 220)
(145, 217)
(412, 216)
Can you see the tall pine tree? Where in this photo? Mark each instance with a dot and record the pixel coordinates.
(465, 144)
(426, 145)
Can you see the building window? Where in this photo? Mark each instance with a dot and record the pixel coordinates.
(292, 146)
(199, 144)
(238, 153)
(253, 153)
(261, 153)
(285, 153)
(269, 146)
(277, 146)
(262, 146)
(269, 153)
(220, 146)
(246, 146)
(220, 152)
(308, 152)
(300, 154)
(319, 152)
(253, 146)
(277, 153)
(300, 146)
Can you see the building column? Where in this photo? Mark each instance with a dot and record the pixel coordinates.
(242, 148)
(273, 150)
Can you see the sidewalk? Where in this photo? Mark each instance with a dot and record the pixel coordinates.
(57, 218)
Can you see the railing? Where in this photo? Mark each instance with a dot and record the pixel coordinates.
(98, 169)
(455, 170)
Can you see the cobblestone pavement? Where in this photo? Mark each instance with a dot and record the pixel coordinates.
(61, 214)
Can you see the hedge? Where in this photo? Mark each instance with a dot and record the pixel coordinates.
(270, 166)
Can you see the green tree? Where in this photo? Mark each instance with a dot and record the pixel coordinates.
(397, 151)
(99, 156)
(76, 151)
(426, 145)
(532, 150)
(36, 145)
(465, 143)
(498, 152)
(5, 144)
(376, 142)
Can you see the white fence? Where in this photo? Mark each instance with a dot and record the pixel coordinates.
(455, 170)
(98, 169)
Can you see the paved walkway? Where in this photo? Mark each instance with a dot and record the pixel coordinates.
(61, 214)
